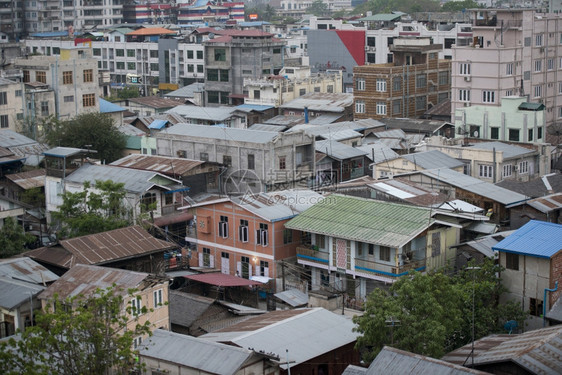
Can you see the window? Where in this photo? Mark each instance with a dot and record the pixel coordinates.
(514, 135)
(130, 53)
(89, 100)
(360, 84)
(529, 135)
(88, 75)
(200, 55)
(443, 78)
(26, 77)
(506, 172)
(442, 96)
(421, 81)
(3, 98)
(359, 106)
(137, 341)
(371, 41)
(203, 156)
(120, 52)
(131, 66)
(136, 305)
(302, 92)
(495, 133)
(486, 171)
(512, 261)
(199, 68)
(420, 103)
(381, 108)
(190, 54)
(69, 99)
(41, 76)
(4, 122)
(251, 162)
(220, 54)
(243, 231)
(206, 257)
(44, 108)
(264, 268)
(538, 65)
(245, 267)
(67, 78)
(464, 69)
(381, 85)
(538, 40)
(227, 160)
(212, 75)
(535, 307)
(190, 68)
(550, 64)
(95, 51)
(509, 69)
(488, 96)
(384, 253)
(282, 162)
(223, 75)
(537, 90)
(396, 106)
(509, 93)
(158, 300)
(148, 202)
(120, 65)
(287, 236)
(262, 235)
(223, 227)
(523, 167)
(464, 95)
(539, 132)
(19, 93)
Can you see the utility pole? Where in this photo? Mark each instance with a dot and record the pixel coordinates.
(283, 273)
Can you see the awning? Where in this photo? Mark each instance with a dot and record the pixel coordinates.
(485, 228)
(157, 124)
(221, 279)
(293, 297)
(172, 219)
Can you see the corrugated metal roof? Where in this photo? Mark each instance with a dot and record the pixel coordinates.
(484, 245)
(62, 152)
(194, 353)
(267, 127)
(162, 164)
(9, 138)
(396, 361)
(381, 152)
(555, 312)
(187, 91)
(341, 135)
(548, 203)
(229, 134)
(391, 133)
(135, 181)
(221, 279)
(108, 107)
(475, 185)
(381, 17)
(26, 269)
(13, 293)
(536, 238)
(253, 107)
(293, 297)
(325, 102)
(285, 120)
(151, 31)
(338, 150)
(186, 308)
(433, 159)
(218, 114)
(157, 124)
(156, 102)
(86, 279)
(306, 333)
(460, 205)
(354, 370)
(327, 118)
(531, 106)
(28, 180)
(537, 351)
(366, 220)
(509, 151)
(484, 228)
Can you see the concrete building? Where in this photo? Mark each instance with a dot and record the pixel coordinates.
(514, 120)
(260, 159)
(73, 77)
(415, 81)
(12, 104)
(235, 55)
(514, 52)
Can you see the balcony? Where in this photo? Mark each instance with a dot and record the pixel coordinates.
(376, 268)
(170, 209)
(312, 255)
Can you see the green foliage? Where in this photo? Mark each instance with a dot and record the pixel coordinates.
(264, 12)
(318, 8)
(36, 128)
(433, 312)
(95, 129)
(35, 197)
(13, 238)
(406, 6)
(81, 335)
(457, 6)
(93, 210)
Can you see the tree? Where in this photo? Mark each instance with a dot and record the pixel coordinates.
(92, 130)
(406, 6)
(457, 6)
(78, 335)
(318, 8)
(13, 238)
(431, 314)
(36, 128)
(93, 210)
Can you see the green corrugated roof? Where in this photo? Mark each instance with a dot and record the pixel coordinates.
(531, 106)
(365, 220)
(381, 17)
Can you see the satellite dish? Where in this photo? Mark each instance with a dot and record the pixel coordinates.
(475, 134)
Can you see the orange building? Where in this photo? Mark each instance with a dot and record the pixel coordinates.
(246, 236)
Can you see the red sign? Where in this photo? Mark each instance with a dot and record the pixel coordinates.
(253, 16)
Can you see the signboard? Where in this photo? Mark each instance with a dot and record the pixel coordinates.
(168, 86)
(253, 16)
(134, 79)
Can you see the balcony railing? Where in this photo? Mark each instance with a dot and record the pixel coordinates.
(318, 256)
(382, 268)
(170, 209)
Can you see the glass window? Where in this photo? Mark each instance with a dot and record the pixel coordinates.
(89, 100)
(359, 106)
(360, 84)
(130, 53)
(381, 85)
(220, 54)
(88, 75)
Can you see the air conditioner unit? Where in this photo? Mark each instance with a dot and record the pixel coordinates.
(467, 78)
(542, 50)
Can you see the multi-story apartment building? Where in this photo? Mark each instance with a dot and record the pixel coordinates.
(291, 83)
(72, 76)
(514, 52)
(146, 12)
(235, 55)
(12, 103)
(201, 11)
(162, 61)
(414, 82)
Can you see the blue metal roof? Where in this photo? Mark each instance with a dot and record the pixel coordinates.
(536, 238)
(51, 34)
(108, 107)
(157, 124)
(254, 107)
